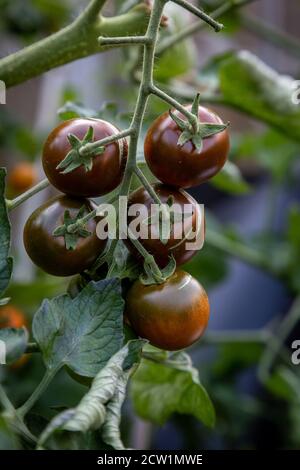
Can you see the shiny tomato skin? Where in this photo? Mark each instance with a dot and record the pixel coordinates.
(175, 247)
(22, 177)
(183, 166)
(172, 315)
(49, 252)
(108, 167)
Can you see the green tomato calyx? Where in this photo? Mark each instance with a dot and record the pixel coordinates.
(72, 229)
(157, 276)
(196, 133)
(75, 158)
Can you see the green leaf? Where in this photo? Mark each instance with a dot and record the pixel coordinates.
(72, 110)
(101, 406)
(15, 340)
(111, 427)
(84, 332)
(159, 390)
(230, 180)
(253, 87)
(108, 111)
(6, 263)
(272, 150)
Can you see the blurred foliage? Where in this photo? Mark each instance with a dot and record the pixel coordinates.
(273, 151)
(248, 84)
(30, 19)
(18, 138)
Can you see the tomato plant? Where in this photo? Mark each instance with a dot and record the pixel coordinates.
(50, 252)
(93, 176)
(172, 315)
(183, 165)
(128, 311)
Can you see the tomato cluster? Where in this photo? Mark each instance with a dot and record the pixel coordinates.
(173, 314)
(50, 252)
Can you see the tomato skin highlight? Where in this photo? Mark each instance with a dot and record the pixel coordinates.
(175, 246)
(172, 315)
(183, 166)
(49, 252)
(108, 167)
(22, 177)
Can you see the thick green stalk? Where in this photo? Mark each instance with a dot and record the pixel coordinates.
(12, 204)
(46, 380)
(78, 40)
(5, 401)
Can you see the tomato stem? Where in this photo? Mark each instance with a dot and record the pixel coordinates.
(199, 25)
(147, 185)
(182, 109)
(196, 11)
(123, 40)
(92, 10)
(147, 88)
(46, 380)
(93, 146)
(5, 401)
(75, 41)
(13, 203)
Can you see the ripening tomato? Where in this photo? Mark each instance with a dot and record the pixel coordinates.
(13, 317)
(22, 177)
(107, 167)
(50, 252)
(183, 232)
(172, 315)
(183, 166)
